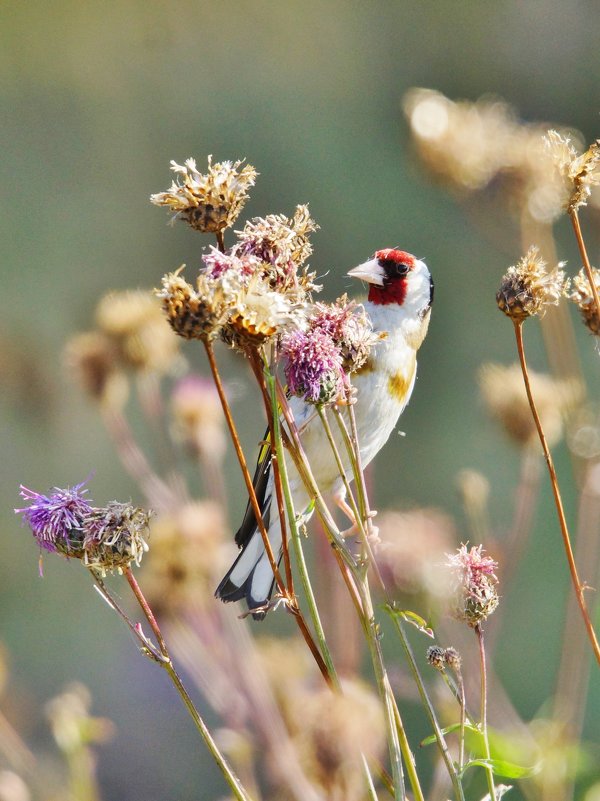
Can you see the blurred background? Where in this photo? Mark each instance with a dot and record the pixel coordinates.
(96, 99)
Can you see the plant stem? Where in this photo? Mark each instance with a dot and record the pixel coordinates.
(439, 735)
(296, 538)
(557, 497)
(573, 214)
(483, 714)
(244, 467)
(164, 659)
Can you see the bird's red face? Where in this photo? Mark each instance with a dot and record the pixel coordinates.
(390, 275)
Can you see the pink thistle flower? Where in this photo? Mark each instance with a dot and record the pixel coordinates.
(218, 263)
(476, 580)
(313, 367)
(56, 520)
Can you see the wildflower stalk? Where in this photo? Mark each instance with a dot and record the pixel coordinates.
(428, 706)
(557, 496)
(163, 658)
(574, 215)
(243, 465)
(483, 713)
(333, 679)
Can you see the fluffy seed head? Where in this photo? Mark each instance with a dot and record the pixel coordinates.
(208, 202)
(527, 289)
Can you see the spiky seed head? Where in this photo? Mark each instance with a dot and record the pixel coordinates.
(527, 289)
(582, 295)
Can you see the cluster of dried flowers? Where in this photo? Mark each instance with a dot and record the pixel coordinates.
(105, 539)
(259, 291)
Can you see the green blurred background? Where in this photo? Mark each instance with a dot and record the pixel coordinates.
(96, 99)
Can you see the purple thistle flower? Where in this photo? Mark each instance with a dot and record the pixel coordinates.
(217, 263)
(56, 520)
(313, 366)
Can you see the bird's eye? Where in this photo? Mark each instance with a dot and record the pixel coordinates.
(394, 268)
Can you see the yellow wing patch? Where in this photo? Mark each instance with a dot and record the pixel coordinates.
(400, 383)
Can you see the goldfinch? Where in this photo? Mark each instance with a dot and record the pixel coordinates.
(398, 304)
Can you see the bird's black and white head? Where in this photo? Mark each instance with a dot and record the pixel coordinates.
(397, 277)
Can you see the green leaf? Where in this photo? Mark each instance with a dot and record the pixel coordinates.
(411, 617)
(448, 730)
(500, 767)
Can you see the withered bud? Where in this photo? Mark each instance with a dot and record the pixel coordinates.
(435, 657)
(208, 202)
(476, 594)
(527, 289)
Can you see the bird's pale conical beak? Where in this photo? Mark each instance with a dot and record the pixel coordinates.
(370, 271)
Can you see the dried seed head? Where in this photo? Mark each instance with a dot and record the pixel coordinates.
(582, 295)
(578, 172)
(505, 398)
(187, 554)
(198, 417)
(208, 202)
(476, 594)
(114, 537)
(94, 359)
(133, 321)
(527, 289)
(196, 313)
(412, 551)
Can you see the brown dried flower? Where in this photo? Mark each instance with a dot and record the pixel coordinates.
(527, 289)
(208, 202)
(504, 395)
(94, 358)
(197, 313)
(582, 295)
(579, 172)
(115, 537)
(181, 569)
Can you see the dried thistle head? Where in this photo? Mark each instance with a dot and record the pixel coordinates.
(332, 731)
(313, 366)
(211, 201)
(583, 296)
(94, 359)
(473, 146)
(181, 569)
(578, 172)
(133, 321)
(346, 322)
(441, 658)
(476, 594)
(196, 313)
(527, 288)
(412, 551)
(282, 245)
(505, 398)
(258, 314)
(115, 537)
(198, 417)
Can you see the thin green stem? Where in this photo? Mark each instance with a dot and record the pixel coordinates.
(439, 735)
(483, 713)
(163, 658)
(557, 497)
(295, 534)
